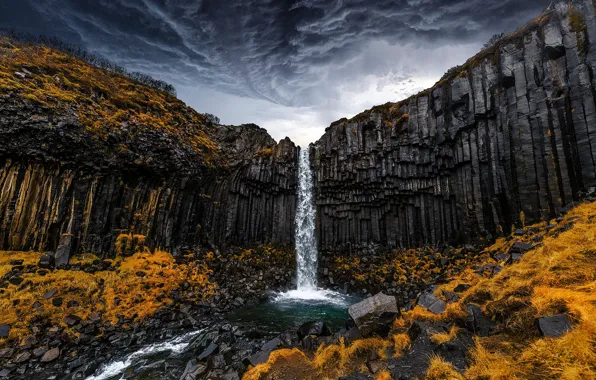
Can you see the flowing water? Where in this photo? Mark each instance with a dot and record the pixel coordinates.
(283, 312)
(306, 240)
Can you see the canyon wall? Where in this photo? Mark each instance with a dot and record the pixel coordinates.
(62, 191)
(507, 138)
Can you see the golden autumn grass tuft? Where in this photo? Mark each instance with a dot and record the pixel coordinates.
(557, 276)
(140, 286)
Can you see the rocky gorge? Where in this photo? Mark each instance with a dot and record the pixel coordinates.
(132, 228)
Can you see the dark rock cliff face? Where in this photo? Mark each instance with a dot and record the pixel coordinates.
(65, 192)
(511, 135)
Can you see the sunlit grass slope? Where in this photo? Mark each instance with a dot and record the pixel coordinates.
(557, 276)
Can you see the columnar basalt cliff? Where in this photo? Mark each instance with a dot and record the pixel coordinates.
(507, 137)
(66, 190)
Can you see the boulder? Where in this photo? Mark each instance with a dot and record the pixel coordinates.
(477, 323)
(4, 331)
(193, 370)
(313, 328)
(46, 261)
(50, 294)
(432, 303)
(6, 353)
(554, 326)
(373, 314)
(50, 355)
(210, 350)
(72, 320)
(22, 357)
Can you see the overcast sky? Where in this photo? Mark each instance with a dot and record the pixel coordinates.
(290, 66)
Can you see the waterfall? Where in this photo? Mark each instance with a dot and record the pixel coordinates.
(306, 241)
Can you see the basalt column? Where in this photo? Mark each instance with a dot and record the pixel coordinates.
(508, 137)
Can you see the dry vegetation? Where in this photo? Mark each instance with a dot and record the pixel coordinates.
(557, 276)
(106, 102)
(141, 284)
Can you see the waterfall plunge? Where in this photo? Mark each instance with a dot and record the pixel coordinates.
(306, 244)
(306, 240)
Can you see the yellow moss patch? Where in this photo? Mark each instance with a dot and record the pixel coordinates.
(140, 286)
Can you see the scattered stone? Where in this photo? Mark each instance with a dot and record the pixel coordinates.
(212, 349)
(193, 370)
(451, 297)
(477, 323)
(57, 301)
(72, 303)
(258, 358)
(273, 344)
(503, 257)
(216, 362)
(313, 328)
(6, 353)
(554, 326)
(22, 357)
(16, 280)
(372, 314)
(50, 355)
(17, 262)
(40, 351)
(141, 274)
(520, 247)
(461, 288)
(72, 320)
(5, 372)
(50, 294)
(4, 331)
(375, 366)
(432, 303)
(46, 261)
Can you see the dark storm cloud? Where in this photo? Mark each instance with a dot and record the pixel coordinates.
(277, 50)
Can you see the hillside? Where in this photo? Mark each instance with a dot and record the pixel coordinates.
(89, 155)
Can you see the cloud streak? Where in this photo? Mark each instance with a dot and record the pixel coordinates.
(321, 58)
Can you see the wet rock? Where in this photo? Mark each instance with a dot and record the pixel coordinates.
(273, 344)
(210, 350)
(373, 315)
(313, 328)
(554, 326)
(193, 370)
(432, 303)
(50, 355)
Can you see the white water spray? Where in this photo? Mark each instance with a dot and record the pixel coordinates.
(306, 241)
(306, 245)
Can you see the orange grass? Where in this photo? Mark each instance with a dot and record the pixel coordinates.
(110, 294)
